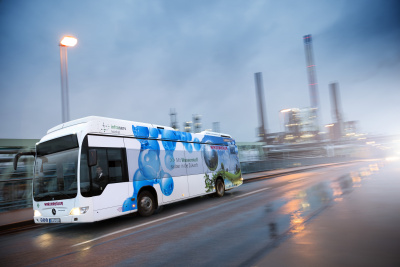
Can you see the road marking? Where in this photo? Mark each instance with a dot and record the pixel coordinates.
(295, 180)
(259, 190)
(127, 229)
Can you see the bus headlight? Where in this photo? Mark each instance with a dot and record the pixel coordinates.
(37, 213)
(78, 211)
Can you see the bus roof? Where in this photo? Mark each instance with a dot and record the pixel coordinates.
(103, 123)
(109, 126)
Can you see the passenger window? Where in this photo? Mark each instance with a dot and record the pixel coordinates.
(115, 165)
(99, 172)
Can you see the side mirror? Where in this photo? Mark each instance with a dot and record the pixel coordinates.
(18, 155)
(92, 161)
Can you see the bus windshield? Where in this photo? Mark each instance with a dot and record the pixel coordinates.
(56, 171)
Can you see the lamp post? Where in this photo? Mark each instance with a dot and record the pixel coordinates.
(67, 41)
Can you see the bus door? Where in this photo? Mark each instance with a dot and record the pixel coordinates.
(109, 177)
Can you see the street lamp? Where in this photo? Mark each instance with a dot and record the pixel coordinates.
(67, 41)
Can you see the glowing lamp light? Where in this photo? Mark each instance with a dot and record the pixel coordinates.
(68, 41)
(37, 213)
(78, 211)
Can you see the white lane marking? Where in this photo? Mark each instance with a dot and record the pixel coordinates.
(127, 229)
(295, 180)
(259, 190)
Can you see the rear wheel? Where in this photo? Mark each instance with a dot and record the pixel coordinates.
(219, 188)
(146, 204)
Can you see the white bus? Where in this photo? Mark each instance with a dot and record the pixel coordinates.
(96, 168)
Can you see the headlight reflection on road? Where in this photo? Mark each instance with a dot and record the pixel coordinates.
(296, 222)
(44, 240)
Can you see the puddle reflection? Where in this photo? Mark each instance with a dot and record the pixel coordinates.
(289, 214)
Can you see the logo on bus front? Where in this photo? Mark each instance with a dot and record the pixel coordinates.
(57, 203)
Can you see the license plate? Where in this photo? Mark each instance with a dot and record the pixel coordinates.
(55, 220)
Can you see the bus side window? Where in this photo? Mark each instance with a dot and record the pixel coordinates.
(116, 165)
(99, 172)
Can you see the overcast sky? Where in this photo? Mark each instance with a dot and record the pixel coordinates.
(135, 60)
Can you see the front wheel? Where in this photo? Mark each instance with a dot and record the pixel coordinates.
(219, 188)
(146, 204)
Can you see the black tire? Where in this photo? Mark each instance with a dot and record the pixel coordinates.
(146, 204)
(219, 188)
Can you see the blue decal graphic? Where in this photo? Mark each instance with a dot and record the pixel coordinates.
(169, 147)
(140, 131)
(167, 184)
(149, 162)
(210, 157)
(150, 171)
(197, 144)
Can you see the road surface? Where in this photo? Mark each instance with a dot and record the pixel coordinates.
(320, 217)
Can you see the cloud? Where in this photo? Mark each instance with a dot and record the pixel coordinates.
(137, 59)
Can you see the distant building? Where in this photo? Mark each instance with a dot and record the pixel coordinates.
(350, 128)
(196, 123)
(187, 126)
(299, 125)
(350, 131)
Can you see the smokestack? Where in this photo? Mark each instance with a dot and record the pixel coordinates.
(312, 78)
(174, 123)
(215, 127)
(262, 133)
(336, 109)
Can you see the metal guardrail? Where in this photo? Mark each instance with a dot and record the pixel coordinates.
(15, 194)
(275, 164)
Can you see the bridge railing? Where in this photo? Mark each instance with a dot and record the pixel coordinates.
(15, 187)
(276, 164)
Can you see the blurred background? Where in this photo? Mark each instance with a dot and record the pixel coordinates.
(295, 83)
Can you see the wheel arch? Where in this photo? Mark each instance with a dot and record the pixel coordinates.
(217, 191)
(220, 178)
(152, 191)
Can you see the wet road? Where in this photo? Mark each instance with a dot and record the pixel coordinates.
(247, 227)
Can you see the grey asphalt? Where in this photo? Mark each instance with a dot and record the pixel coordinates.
(344, 215)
